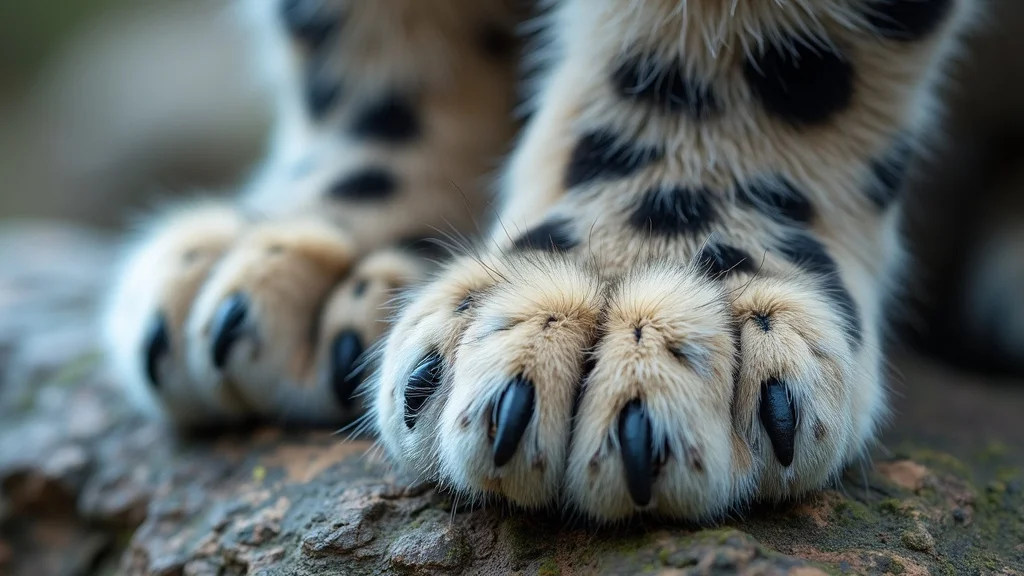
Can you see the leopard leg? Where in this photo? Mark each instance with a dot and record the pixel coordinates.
(682, 308)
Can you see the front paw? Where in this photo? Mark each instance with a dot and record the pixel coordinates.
(531, 378)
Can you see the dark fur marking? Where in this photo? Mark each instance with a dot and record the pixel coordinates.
(599, 155)
(802, 81)
(309, 21)
(674, 211)
(907, 20)
(663, 86)
(804, 250)
(554, 235)
(370, 183)
(497, 41)
(391, 120)
(778, 199)
(890, 174)
(809, 253)
(718, 260)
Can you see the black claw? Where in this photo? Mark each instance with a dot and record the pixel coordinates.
(637, 451)
(156, 344)
(228, 326)
(779, 418)
(423, 382)
(345, 354)
(510, 416)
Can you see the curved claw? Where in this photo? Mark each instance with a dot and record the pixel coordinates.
(156, 344)
(228, 327)
(510, 417)
(423, 382)
(637, 451)
(345, 354)
(778, 416)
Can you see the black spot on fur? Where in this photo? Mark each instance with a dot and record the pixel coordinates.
(309, 21)
(367, 184)
(663, 86)
(674, 211)
(890, 174)
(601, 156)
(497, 42)
(322, 92)
(907, 20)
(806, 251)
(555, 235)
(801, 81)
(777, 198)
(717, 260)
(391, 120)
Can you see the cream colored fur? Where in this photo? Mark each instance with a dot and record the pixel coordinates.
(297, 254)
(626, 314)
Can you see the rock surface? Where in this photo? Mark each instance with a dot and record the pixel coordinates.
(89, 487)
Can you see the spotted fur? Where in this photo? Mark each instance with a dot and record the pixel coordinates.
(679, 306)
(265, 307)
(715, 333)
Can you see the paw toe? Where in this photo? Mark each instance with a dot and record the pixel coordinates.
(149, 306)
(802, 404)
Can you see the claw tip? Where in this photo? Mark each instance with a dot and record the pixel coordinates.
(511, 416)
(637, 451)
(778, 415)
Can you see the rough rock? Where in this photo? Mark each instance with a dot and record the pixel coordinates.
(89, 487)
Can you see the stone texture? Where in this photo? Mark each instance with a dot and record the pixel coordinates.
(89, 487)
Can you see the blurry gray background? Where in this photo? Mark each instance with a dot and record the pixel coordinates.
(108, 104)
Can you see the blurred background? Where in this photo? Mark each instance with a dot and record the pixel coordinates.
(109, 106)
(106, 105)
